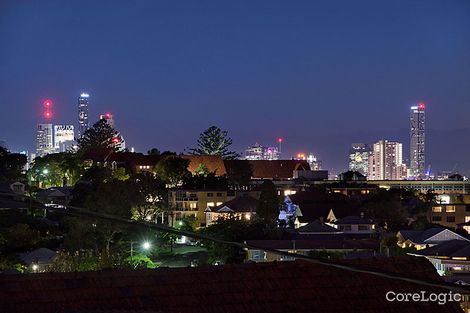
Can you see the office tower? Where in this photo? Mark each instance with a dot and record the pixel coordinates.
(83, 123)
(258, 152)
(359, 158)
(417, 119)
(315, 164)
(108, 117)
(44, 143)
(64, 136)
(386, 161)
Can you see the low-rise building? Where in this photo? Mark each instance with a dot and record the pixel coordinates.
(238, 208)
(192, 204)
(451, 211)
(39, 260)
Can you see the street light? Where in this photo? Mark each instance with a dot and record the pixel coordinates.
(146, 245)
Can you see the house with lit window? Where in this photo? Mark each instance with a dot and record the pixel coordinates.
(242, 208)
(449, 258)
(451, 210)
(192, 204)
(421, 239)
(355, 225)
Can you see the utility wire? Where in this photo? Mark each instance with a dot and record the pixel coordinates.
(81, 212)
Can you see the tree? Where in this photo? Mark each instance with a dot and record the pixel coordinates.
(173, 170)
(11, 164)
(240, 173)
(153, 151)
(100, 135)
(214, 141)
(202, 170)
(150, 196)
(268, 205)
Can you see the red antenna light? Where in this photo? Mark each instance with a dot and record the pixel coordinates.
(279, 139)
(421, 105)
(47, 103)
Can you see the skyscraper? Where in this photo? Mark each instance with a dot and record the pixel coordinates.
(386, 161)
(83, 124)
(64, 136)
(417, 140)
(44, 144)
(359, 158)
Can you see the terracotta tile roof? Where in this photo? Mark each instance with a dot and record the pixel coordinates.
(269, 287)
(275, 169)
(214, 163)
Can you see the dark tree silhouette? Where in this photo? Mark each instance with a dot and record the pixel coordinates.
(214, 141)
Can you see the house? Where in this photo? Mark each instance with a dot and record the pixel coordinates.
(281, 287)
(355, 225)
(314, 204)
(449, 257)
(421, 239)
(318, 227)
(56, 196)
(12, 190)
(39, 260)
(329, 244)
(238, 208)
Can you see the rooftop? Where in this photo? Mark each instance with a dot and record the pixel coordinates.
(269, 287)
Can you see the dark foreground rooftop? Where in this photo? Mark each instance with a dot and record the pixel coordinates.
(270, 287)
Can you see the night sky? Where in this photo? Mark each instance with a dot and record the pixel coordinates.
(321, 74)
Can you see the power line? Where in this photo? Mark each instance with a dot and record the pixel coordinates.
(82, 212)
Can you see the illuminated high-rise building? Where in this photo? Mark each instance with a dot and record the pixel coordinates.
(64, 136)
(417, 152)
(258, 152)
(83, 123)
(44, 143)
(386, 161)
(359, 158)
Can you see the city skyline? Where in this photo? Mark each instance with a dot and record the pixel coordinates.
(281, 73)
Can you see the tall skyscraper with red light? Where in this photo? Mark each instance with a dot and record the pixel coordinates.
(83, 123)
(417, 143)
(44, 139)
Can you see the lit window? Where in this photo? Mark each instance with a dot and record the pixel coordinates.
(437, 209)
(210, 204)
(450, 208)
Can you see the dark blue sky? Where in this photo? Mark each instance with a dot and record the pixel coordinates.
(322, 74)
